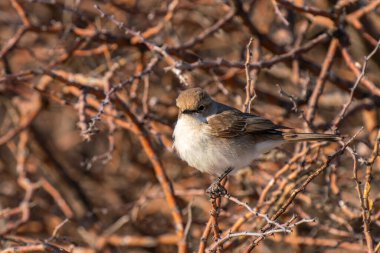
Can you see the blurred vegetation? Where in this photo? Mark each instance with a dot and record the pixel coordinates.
(87, 109)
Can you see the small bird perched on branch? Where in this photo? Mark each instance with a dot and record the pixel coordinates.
(216, 138)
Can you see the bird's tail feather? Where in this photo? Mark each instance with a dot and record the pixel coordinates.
(310, 137)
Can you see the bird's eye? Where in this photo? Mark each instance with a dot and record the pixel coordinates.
(201, 108)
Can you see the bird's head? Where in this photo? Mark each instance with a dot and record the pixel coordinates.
(195, 102)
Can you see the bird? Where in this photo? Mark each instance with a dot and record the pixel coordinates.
(218, 139)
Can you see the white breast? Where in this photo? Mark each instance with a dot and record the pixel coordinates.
(191, 142)
(212, 154)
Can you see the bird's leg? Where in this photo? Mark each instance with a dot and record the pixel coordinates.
(217, 190)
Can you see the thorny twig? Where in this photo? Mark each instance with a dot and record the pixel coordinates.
(342, 113)
(367, 203)
(162, 51)
(251, 78)
(288, 229)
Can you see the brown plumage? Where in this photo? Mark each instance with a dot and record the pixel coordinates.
(233, 123)
(191, 99)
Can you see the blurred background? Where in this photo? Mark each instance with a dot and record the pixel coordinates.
(87, 109)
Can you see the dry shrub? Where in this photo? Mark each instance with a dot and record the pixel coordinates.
(87, 111)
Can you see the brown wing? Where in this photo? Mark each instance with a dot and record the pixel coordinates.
(233, 123)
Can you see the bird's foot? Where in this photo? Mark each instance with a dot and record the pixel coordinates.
(216, 190)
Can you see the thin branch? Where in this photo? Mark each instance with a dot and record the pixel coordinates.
(251, 78)
(153, 47)
(342, 113)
